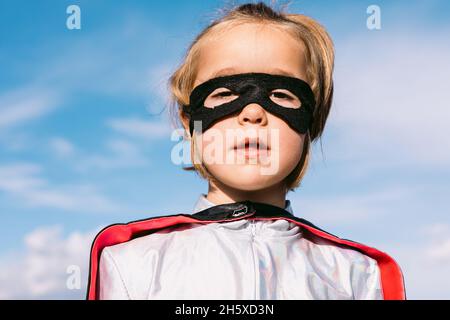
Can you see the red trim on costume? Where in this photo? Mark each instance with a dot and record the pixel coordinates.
(391, 275)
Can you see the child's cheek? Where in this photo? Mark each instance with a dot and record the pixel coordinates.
(289, 146)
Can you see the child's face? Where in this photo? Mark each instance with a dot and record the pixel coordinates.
(251, 48)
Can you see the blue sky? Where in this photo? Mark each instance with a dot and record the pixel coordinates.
(85, 137)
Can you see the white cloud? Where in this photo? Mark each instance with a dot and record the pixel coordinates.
(25, 181)
(425, 261)
(136, 127)
(437, 230)
(62, 147)
(350, 208)
(439, 247)
(39, 270)
(440, 251)
(25, 104)
(121, 154)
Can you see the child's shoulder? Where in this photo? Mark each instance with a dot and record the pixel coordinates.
(362, 257)
(140, 244)
(344, 255)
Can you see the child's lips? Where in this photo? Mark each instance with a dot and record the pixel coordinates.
(252, 151)
(252, 143)
(252, 148)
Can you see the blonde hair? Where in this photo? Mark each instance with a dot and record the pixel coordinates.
(319, 66)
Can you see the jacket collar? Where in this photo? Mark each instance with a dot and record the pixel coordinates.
(206, 210)
(203, 203)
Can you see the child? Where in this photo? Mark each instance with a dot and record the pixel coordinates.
(256, 86)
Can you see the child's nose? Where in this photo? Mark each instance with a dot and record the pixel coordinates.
(253, 113)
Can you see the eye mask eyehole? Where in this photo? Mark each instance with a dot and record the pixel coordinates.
(219, 97)
(285, 98)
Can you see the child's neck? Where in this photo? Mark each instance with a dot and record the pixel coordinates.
(219, 193)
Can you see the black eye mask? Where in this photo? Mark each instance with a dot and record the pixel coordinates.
(252, 88)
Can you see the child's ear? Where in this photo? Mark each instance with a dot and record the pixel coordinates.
(184, 121)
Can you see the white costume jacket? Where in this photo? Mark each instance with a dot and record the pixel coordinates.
(242, 250)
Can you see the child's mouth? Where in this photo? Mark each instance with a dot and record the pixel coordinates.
(252, 148)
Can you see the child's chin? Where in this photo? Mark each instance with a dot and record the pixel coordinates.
(252, 184)
(246, 178)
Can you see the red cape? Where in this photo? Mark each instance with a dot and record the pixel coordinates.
(391, 276)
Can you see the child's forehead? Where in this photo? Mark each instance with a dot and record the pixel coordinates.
(250, 45)
(250, 52)
(235, 70)
(227, 71)
(253, 35)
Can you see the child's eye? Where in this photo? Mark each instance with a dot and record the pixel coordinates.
(219, 97)
(223, 94)
(282, 95)
(285, 99)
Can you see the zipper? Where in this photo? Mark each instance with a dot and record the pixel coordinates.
(255, 265)
(253, 229)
